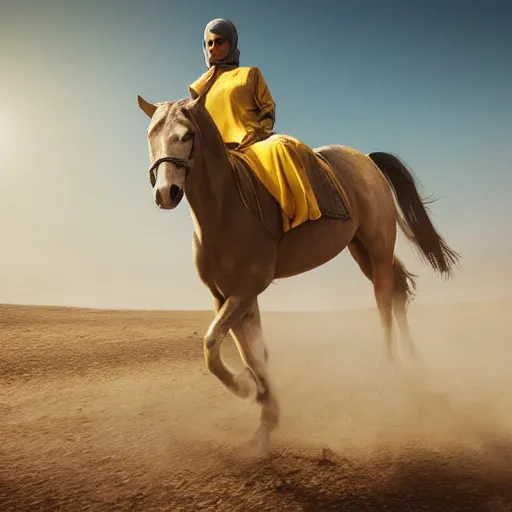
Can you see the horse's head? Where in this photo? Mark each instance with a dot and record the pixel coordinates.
(172, 138)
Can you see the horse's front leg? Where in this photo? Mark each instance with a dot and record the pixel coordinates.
(229, 311)
(249, 338)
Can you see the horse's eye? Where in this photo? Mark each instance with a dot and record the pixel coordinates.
(188, 136)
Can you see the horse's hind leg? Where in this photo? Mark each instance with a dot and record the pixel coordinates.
(378, 268)
(404, 290)
(248, 335)
(360, 255)
(383, 285)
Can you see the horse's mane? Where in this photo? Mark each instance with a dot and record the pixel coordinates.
(211, 142)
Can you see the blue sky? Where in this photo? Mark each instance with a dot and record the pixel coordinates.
(429, 81)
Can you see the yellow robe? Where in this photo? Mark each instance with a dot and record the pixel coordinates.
(242, 108)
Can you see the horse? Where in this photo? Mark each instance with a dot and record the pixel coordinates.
(237, 259)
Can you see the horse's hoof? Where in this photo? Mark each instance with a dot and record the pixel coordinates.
(260, 442)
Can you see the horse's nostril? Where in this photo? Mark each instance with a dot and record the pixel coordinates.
(157, 198)
(174, 192)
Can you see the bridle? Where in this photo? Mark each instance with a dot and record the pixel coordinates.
(180, 163)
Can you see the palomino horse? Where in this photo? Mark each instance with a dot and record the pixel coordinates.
(237, 259)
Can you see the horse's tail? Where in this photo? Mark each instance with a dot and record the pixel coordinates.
(413, 216)
(405, 283)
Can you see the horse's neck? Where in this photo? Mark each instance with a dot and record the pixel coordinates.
(210, 185)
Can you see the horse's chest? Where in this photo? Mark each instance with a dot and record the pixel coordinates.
(230, 272)
(220, 264)
(225, 265)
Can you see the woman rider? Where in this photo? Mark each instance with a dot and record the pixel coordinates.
(242, 108)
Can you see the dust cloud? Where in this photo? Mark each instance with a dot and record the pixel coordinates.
(114, 410)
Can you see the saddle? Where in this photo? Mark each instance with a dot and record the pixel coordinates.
(331, 198)
(330, 195)
(256, 198)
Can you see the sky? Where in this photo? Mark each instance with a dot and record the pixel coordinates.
(429, 81)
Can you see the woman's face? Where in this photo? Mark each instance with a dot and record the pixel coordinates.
(217, 47)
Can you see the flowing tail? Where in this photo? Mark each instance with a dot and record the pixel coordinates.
(413, 216)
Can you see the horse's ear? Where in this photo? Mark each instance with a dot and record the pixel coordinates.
(192, 94)
(148, 108)
(198, 104)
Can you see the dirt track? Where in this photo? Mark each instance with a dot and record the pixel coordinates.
(111, 411)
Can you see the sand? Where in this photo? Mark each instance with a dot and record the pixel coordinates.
(115, 411)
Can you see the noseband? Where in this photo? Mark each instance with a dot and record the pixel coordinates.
(180, 163)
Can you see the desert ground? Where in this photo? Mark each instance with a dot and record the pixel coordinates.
(114, 411)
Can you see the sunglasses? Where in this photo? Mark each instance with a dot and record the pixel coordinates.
(217, 41)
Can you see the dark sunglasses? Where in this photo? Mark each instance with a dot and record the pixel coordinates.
(218, 41)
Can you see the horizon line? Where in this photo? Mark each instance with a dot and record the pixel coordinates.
(281, 311)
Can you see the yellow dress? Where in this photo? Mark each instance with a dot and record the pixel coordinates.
(242, 108)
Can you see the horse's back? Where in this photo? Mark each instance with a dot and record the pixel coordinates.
(352, 167)
(366, 186)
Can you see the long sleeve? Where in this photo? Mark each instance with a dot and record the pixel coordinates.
(264, 101)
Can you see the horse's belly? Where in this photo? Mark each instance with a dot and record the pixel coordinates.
(312, 244)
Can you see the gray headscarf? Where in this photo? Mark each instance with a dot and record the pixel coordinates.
(226, 29)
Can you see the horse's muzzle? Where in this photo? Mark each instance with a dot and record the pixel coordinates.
(173, 199)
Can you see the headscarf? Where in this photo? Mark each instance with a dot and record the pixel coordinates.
(227, 30)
